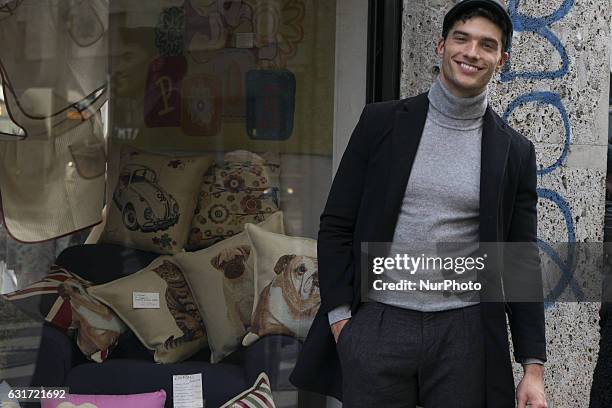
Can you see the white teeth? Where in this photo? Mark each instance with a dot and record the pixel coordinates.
(469, 67)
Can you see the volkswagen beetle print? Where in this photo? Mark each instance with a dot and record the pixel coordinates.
(144, 205)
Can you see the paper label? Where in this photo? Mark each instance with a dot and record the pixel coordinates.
(187, 391)
(244, 40)
(145, 300)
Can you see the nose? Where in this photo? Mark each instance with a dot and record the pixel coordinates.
(471, 50)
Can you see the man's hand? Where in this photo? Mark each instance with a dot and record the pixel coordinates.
(531, 388)
(337, 327)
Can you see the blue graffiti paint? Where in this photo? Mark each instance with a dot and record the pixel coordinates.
(566, 266)
(550, 99)
(540, 26)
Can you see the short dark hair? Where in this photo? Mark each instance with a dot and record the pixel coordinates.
(480, 12)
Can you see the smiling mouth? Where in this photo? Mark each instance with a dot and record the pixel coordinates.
(468, 67)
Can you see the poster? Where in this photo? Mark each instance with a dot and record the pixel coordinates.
(221, 75)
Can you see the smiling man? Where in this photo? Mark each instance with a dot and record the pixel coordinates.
(438, 167)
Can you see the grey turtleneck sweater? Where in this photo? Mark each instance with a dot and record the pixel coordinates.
(441, 202)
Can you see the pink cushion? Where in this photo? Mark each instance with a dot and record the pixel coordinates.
(150, 400)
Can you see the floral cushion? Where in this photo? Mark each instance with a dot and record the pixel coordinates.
(243, 189)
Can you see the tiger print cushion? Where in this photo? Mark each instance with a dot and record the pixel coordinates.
(175, 331)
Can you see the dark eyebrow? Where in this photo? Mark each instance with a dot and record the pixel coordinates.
(486, 39)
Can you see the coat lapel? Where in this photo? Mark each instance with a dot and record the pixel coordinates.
(494, 154)
(405, 137)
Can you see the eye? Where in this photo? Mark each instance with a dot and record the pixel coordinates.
(302, 269)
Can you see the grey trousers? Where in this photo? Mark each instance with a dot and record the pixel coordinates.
(398, 358)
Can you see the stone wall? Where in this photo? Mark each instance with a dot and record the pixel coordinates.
(554, 90)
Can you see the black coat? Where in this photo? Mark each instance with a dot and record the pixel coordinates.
(363, 206)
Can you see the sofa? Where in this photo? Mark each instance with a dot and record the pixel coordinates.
(130, 367)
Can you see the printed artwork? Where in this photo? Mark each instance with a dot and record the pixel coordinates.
(222, 280)
(271, 103)
(233, 194)
(61, 299)
(149, 196)
(143, 203)
(211, 75)
(181, 304)
(175, 330)
(288, 304)
(237, 282)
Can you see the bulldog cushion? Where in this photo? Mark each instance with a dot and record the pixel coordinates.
(61, 299)
(242, 189)
(153, 200)
(222, 281)
(173, 326)
(150, 400)
(287, 293)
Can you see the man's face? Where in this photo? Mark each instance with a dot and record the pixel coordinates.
(471, 54)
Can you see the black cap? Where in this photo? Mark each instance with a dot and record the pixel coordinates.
(495, 6)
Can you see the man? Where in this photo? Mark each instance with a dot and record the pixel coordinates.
(441, 166)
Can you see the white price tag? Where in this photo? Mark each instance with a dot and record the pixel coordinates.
(145, 300)
(187, 391)
(245, 40)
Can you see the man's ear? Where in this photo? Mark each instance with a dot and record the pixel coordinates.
(504, 58)
(440, 47)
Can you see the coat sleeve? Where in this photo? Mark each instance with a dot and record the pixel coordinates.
(337, 223)
(526, 318)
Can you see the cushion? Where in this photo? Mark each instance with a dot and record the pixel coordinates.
(175, 331)
(243, 189)
(220, 382)
(61, 299)
(258, 396)
(155, 399)
(222, 284)
(287, 293)
(154, 200)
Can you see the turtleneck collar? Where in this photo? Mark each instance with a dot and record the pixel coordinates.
(455, 107)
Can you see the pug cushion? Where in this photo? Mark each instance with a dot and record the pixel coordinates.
(287, 293)
(221, 278)
(153, 201)
(175, 330)
(243, 189)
